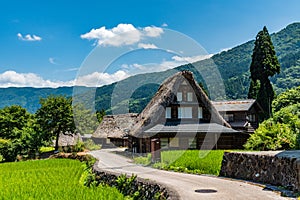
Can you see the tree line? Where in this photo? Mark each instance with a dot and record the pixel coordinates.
(22, 133)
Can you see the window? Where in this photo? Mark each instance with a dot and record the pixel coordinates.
(179, 96)
(200, 113)
(168, 112)
(185, 112)
(189, 96)
(164, 142)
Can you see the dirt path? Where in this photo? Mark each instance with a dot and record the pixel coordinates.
(186, 184)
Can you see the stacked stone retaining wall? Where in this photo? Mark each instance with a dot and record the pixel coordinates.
(280, 168)
(149, 188)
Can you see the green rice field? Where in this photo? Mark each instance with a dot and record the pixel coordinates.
(49, 179)
(190, 161)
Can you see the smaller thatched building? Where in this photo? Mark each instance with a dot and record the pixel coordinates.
(114, 130)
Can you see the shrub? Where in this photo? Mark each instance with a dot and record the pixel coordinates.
(78, 147)
(282, 131)
(90, 145)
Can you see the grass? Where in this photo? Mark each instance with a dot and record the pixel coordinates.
(49, 179)
(46, 149)
(189, 161)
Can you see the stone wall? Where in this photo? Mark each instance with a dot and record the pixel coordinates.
(149, 189)
(280, 168)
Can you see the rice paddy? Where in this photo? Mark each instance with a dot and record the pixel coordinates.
(49, 179)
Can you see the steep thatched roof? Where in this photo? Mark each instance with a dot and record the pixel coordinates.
(155, 110)
(115, 126)
(68, 139)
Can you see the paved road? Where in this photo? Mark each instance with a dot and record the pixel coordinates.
(186, 184)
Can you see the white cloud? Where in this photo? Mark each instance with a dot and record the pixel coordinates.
(152, 31)
(123, 34)
(100, 79)
(192, 58)
(147, 46)
(52, 61)
(14, 79)
(29, 37)
(164, 25)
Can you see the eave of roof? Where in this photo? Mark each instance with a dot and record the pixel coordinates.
(190, 128)
(234, 105)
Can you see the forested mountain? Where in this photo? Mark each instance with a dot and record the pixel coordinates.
(233, 66)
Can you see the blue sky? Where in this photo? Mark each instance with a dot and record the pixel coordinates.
(46, 43)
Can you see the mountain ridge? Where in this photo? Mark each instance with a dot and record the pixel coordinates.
(233, 65)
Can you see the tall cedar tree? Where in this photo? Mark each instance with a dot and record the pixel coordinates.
(55, 116)
(264, 64)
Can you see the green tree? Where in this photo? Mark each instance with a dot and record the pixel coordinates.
(85, 119)
(253, 90)
(19, 132)
(55, 117)
(12, 117)
(100, 114)
(264, 65)
(286, 98)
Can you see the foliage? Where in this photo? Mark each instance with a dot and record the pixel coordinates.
(190, 161)
(49, 179)
(22, 136)
(286, 98)
(46, 149)
(143, 160)
(264, 64)
(253, 89)
(13, 117)
(126, 185)
(78, 147)
(282, 131)
(8, 150)
(90, 145)
(85, 119)
(100, 114)
(56, 116)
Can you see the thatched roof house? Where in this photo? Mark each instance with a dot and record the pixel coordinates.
(115, 126)
(115, 129)
(154, 113)
(68, 139)
(179, 116)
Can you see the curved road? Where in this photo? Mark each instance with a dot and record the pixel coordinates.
(186, 184)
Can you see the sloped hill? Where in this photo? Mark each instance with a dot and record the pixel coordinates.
(134, 93)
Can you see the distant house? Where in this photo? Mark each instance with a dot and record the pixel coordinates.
(66, 140)
(242, 115)
(114, 130)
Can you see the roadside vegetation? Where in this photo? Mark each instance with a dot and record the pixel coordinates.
(189, 161)
(282, 130)
(49, 179)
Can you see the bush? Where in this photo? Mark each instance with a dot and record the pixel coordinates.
(78, 147)
(8, 150)
(90, 145)
(286, 98)
(280, 132)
